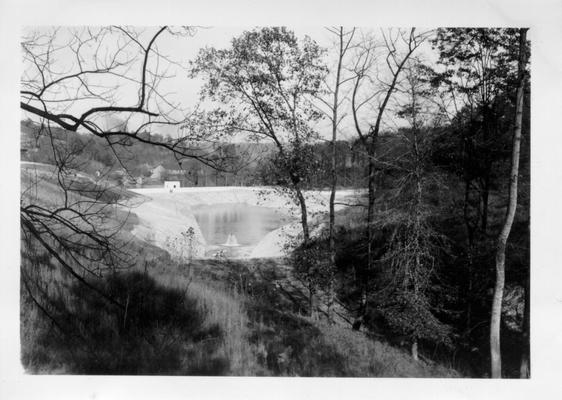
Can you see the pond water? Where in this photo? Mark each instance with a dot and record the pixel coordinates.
(231, 225)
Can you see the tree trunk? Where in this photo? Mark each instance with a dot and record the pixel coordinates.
(367, 270)
(470, 254)
(495, 323)
(312, 303)
(485, 184)
(304, 215)
(485, 202)
(415, 355)
(524, 369)
(332, 239)
(371, 209)
(468, 321)
(312, 308)
(362, 309)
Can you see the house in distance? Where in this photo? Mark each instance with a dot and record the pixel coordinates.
(171, 185)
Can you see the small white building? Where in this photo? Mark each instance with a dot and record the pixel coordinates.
(171, 185)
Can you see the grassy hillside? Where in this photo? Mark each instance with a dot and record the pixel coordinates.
(207, 317)
(223, 320)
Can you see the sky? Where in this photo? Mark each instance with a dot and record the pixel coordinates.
(220, 37)
(179, 88)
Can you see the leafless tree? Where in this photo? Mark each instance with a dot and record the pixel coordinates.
(415, 243)
(377, 70)
(76, 81)
(332, 110)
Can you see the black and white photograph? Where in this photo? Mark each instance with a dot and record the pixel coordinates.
(274, 201)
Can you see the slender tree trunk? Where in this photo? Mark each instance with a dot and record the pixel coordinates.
(334, 181)
(295, 181)
(332, 239)
(367, 270)
(524, 369)
(415, 354)
(371, 209)
(485, 202)
(312, 302)
(495, 323)
(304, 215)
(364, 284)
(485, 194)
(418, 173)
(468, 325)
(470, 233)
(312, 307)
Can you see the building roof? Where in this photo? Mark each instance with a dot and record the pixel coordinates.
(159, 168)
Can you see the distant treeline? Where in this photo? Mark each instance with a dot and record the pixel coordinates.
(241, 164)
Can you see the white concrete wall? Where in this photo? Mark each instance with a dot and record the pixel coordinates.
(164, 216)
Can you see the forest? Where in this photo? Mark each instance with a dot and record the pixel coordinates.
(425, 272)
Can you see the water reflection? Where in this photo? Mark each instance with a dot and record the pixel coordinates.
(248, 224)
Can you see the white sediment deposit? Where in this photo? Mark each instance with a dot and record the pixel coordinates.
(164, 217)
(162, 222)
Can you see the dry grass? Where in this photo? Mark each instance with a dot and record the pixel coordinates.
(366, 357)
(224, 309)
(287, 343)
(173, 325)
(242, 326)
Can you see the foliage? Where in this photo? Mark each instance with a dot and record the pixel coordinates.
(262, 82)
(311, 265)
(480, 63)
